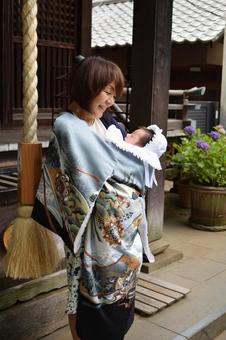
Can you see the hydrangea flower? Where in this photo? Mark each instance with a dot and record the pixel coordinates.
(190, 130)
(214, 135)
(200, 158)
(202, 145)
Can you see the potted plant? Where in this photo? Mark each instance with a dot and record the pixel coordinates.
(203, 164)
(180, 167)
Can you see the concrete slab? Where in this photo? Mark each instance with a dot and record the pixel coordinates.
(198, 269)
(167, 275)
(209, 327)
(214, 240)
(199, 304)
(143, 329)
(218, 255)
(192, 250)
(61, 334)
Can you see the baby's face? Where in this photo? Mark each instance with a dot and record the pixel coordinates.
(135, 137)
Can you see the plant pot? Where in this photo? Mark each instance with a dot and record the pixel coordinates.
(208, 207)
(184, 192)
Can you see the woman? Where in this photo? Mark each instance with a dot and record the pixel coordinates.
(95, 190)
(95, 84)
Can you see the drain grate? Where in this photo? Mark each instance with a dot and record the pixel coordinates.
(152, 294)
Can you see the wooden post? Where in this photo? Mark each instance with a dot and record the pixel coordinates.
(151, 59)
(223, 85)
(84, 17)
(6, 17)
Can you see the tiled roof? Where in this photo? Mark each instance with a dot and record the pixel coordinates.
(193, 20)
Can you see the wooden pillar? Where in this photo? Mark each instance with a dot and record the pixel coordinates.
(84, 17)
(6, 17)
(223, 85)
(151, 61)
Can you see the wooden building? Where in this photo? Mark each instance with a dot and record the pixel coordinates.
(197, 41)
(64, 30)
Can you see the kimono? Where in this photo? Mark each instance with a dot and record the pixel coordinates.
(92, 194)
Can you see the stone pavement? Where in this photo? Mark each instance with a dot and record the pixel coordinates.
(201, 315)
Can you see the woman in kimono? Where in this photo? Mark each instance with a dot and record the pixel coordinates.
(95, 190)
(94, 87)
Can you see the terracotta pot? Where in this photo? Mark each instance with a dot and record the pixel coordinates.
(208, 207)
(183, 190)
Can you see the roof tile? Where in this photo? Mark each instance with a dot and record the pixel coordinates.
(193, 20)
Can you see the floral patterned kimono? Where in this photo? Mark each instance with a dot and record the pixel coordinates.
(112, 247)
(92, 195)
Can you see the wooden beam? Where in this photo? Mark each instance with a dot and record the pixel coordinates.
(84, 17)
(151, 60)
(6, 17)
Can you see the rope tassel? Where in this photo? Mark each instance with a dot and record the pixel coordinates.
(32, 249)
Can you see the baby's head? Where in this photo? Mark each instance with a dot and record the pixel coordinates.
(139, 137)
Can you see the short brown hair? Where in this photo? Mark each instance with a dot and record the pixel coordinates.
(91, 76)
(147, 136)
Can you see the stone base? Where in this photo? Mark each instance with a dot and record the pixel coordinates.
(35, 318)
(158, 246)
(161, 260)
(206, 227)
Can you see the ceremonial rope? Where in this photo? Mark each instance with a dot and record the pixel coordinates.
(30, 80)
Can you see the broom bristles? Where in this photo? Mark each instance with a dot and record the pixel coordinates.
(32, 251)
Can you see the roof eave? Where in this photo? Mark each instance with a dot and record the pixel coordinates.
(185, 41)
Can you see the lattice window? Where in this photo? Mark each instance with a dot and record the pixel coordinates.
(56, 20)
(57, 24)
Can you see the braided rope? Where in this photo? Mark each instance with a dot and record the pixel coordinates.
(30, 80)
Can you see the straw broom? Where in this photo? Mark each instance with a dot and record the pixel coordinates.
(32, 249)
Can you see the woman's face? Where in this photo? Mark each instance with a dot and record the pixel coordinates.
(104, 100)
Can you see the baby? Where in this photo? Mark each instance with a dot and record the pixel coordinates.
(145, 143)
(139, 137)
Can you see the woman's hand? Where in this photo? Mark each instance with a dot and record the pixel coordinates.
(72, 324)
